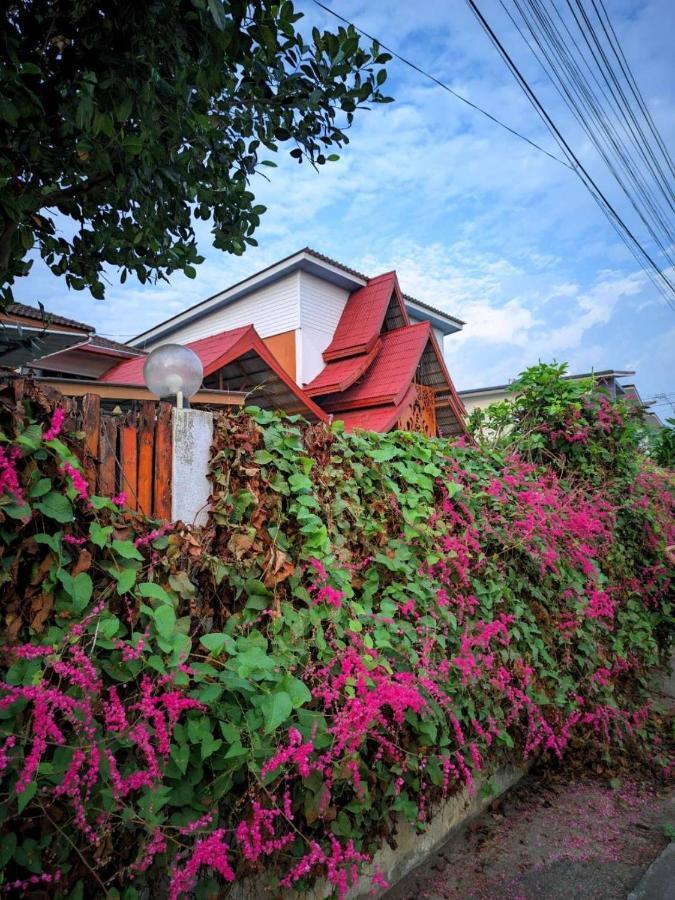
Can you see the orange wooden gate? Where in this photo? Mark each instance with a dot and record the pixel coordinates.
(129, 452)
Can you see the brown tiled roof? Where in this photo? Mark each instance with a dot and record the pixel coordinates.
(333, 262)
(421, 303)
(106, 344)
(433, 309)
(33, 312)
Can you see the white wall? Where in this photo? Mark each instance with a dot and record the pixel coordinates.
(272, 310)
(321, 305)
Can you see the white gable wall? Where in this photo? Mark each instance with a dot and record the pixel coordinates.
(272, 310)
(321, 305)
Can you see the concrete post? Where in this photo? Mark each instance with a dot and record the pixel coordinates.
(192, 436)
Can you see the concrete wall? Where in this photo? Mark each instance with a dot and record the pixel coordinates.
(190, 488)
(412, 848)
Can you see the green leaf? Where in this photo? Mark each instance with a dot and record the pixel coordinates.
(126, 550)
(42, 487)
(276, 708)
(99, 534)
(180, 754)
(235, 750)
(214, 642)
(24, 798)
(56, 506)
(296, 689)
(126, 579)
(154, 591)
(82, 591)
(165, 620)
(53, 541)
(209, 746)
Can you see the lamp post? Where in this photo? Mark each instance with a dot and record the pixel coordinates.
(173, 371)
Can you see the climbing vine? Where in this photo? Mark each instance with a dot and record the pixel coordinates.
(368, 624)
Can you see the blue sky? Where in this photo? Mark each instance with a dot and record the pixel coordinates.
(474, 220)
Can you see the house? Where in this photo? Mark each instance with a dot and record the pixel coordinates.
(234, 361)
(27, 332)
(356, 348)
(48, 344)
(607, 380)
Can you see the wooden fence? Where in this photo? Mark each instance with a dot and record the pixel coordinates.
(130, 451)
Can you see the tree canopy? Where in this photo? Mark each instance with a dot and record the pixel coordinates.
(120, 121)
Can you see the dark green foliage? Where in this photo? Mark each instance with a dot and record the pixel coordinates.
(126, 118)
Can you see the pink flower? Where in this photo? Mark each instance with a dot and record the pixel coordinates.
(55, 425)
(210, 852)
(78, 480)
(9, 477)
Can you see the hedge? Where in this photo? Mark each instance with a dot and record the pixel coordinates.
(367, 622)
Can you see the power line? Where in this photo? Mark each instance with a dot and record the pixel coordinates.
(661, 281)
(563, 70)
(442, 84)
(630, 78)
(641, 254)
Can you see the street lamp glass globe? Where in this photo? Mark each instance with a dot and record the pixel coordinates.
(171, 369)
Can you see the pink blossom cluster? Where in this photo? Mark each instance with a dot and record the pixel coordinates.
(210, 852)
(55, 425)
(79, 482)
(321, 591)
(9, 477)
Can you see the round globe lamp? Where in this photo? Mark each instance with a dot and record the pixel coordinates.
(173, 371)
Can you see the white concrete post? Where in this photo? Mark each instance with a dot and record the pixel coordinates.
(190, 488)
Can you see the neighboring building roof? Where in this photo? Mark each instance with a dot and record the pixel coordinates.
(43, 316)
(305, 260)
(26, 332)
(245, 364)
(602, 375)
(19, 344)
(104, 345)
(378, 418)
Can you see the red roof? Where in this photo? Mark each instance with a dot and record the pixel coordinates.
(388, 378)
(339, 375)
(254, 364)
(363, 316)
(377, 418)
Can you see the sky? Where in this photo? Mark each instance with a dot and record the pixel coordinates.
(473, 219)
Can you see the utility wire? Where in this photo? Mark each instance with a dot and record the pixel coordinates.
(442, 84)
(645, 259)
(661, 281)
(630, 78)
(564, 72)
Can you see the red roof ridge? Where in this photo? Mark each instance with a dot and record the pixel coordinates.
(215, 352)
(341, 374)
(362, 318)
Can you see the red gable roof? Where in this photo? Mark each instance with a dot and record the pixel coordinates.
(252, 363)
(339, 375)
(388, 378)
(361, 322)
(377, 418)
(368, 379)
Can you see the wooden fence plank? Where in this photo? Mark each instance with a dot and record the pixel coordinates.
(129, 458)
(163, 463)
(91, 425)
(146, 442)
(69, 405)
(107, 476)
